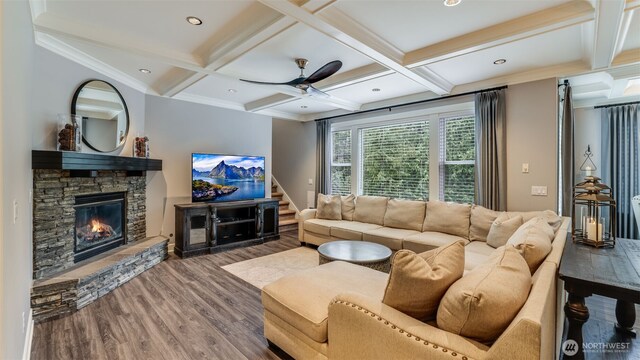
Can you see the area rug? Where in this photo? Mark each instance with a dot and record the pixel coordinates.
(267, 269)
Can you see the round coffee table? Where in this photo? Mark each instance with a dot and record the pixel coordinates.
(371, 255)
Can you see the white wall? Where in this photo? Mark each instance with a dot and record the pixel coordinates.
(55, 81)
(176, 129)
(17, 105)
(587, 132)
(294, 158)
(532, 138)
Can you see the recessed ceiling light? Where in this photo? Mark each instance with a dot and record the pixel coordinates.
(303, 106)
(145, 71)
(451, 2)
(376, 89)
(233, 91)
(194, 20)
(500, 61)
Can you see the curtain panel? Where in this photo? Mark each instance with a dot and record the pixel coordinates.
(567, 158)
(323, 156)
(491, 157)
(621, 163)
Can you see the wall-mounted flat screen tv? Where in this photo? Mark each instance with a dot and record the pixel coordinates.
(216, 177)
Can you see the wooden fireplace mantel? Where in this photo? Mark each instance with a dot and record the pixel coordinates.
(84, 164)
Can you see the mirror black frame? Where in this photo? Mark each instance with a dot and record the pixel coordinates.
(124, 104)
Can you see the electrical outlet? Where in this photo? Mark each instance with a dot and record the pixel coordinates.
(310, 181)
(539, 190)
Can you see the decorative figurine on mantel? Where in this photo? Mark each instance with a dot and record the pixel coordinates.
(141, 147)
(593, 214)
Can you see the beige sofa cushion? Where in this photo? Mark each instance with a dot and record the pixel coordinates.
(502, 228)
(351, 230)
(389, 237)
(483, 303)
(429, 240)
(302, 299)
(449, 218)
(417, 282)
(348, 206)
(481, 220)
(476, 253)
(533, 241)
(329, 207)
(319, 226)
(370, 209)
(405, 214)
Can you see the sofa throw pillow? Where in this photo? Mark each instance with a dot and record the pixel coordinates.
(417, 282)
(370, 209)
(481, 220)
(447, 217)
(502, 228)
(482, 304)
(405, 214)
(348, 206)
(533, 241)
(329, 207)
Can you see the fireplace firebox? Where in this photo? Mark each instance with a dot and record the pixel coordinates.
(100, 224)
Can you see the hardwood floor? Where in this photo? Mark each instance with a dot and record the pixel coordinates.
(193, 309)
(179, 309)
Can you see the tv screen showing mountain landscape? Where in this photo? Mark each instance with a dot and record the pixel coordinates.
(226, 177)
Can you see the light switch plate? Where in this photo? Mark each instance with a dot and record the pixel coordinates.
(525, 168)
(539, 190)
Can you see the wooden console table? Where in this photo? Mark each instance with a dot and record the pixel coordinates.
(614, 273)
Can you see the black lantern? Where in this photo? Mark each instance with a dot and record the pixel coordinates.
(594, 214)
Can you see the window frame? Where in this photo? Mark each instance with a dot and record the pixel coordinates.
(433, 115)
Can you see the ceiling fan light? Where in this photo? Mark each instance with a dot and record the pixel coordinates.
(451, 2)
(194, 20)
(145, 71)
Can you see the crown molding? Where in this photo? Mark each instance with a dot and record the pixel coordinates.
(65, 50)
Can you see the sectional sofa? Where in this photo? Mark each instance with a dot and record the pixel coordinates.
(335, 311)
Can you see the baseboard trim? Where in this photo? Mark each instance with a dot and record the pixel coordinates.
(26, 352)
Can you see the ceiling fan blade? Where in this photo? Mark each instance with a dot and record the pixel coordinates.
(293, 82)
(324, 72)
(317, 93)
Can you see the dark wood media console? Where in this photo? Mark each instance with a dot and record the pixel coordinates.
(203, 228)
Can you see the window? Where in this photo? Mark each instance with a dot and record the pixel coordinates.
(457, 159)
(395, 160)
(341, 162)
(425, 154)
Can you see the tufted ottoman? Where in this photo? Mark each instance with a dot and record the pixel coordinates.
(296, 306)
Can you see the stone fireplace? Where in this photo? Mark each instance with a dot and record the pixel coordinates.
(61, 200)
(89, 228)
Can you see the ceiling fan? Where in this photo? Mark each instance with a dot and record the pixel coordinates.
(305, 83)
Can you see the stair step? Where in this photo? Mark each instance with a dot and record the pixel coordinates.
(287, 228)
(288, 217)
(283, 203)
(286, 212)
(287, 222)
(277, 195)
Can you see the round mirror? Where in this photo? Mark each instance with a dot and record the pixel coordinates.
(105, 117)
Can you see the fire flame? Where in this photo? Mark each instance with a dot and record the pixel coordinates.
(96, 226)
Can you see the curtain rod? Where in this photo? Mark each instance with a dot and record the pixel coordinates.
(412, 103)
(612, 105)
(565, 83)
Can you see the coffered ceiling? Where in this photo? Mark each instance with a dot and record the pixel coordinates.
(391, 50)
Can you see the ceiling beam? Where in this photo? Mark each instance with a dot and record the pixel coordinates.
(561, 16)
(338, 26)
(268, 102)
(608, 32)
